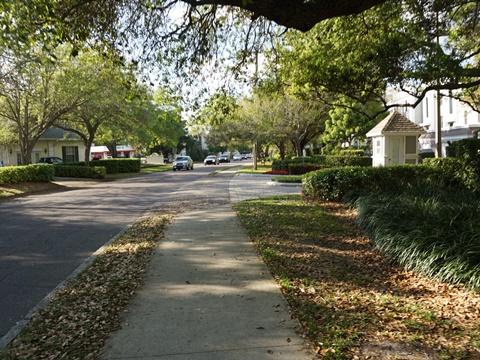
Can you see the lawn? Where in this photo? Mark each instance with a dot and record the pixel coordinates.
(351, 301)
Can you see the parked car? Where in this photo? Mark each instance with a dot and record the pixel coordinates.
(182, 162)
(237, 157)
(224, 158)
(210, 160)
(50, 160)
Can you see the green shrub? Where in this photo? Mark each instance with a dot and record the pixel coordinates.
(334, 184)
(356, 152)
(19, 174)
(114, 166)
(283, 164)
(428, 229)
(339, 161)
(325, 161)
(458, 170)
(468, 150)
(425, 155)
(451, 151)
(303, 168)
(288, 179)
(93, 172)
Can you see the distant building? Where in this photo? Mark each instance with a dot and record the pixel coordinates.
(458, 121)
(102, 152)
(55, 142)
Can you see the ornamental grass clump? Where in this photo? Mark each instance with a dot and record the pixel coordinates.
(427, 229)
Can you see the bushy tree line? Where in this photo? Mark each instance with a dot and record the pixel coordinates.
(94, 96)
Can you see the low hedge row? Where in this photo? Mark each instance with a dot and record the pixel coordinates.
(92, 172)
(114, 166)
(19, 174)
(329, 161)
(466, 173)
(300, 169)
(334, 184)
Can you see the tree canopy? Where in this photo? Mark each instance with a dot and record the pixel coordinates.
(413, 46)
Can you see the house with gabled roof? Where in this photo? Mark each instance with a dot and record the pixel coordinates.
(395, 141)
(55, 142)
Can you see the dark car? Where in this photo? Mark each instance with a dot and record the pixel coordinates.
(50, 160)
(182, 162)
(224, 158)
(210, 160)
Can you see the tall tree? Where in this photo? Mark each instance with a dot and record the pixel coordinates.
(108, 93)
(162, 124)
(348, 122)
(35, 94)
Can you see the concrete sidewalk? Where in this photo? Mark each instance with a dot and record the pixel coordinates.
(207, 296)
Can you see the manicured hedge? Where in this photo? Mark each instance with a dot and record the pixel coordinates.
(324, 161)
(357, 152)
(300, 169)
(92, 172)
(114, 166)
(19, 174)
(466, 173)
(334, 184)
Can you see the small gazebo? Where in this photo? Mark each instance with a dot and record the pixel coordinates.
(395, 141)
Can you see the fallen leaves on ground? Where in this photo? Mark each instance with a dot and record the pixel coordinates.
(351, 302)
(77, 321)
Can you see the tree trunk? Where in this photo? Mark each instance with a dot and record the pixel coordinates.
(113, 149)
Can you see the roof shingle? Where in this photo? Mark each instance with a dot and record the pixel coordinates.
(396, 123)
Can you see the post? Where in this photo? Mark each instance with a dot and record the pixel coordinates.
(255, 152)
(438, 130)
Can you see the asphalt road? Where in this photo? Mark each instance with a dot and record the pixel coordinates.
(45, 238)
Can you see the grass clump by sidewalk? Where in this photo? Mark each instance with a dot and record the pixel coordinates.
(352, 302)
(77, 321)
(427, 229)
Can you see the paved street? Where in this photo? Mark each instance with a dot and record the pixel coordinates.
(45, 238)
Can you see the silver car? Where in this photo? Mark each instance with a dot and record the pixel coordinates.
(183, 162)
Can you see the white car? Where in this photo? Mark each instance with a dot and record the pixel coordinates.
(237, 157)
(182, 162)
(210, 160)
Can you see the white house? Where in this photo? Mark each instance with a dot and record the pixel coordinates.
(55, 142)
(458, 121)
(395, 141)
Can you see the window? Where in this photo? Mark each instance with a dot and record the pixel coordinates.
(426, 107)
(450, 104)
(70, 153)
(36, 157)
(410, 145)
(378, 147)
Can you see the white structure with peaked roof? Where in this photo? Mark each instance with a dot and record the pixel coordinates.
(395, 141)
